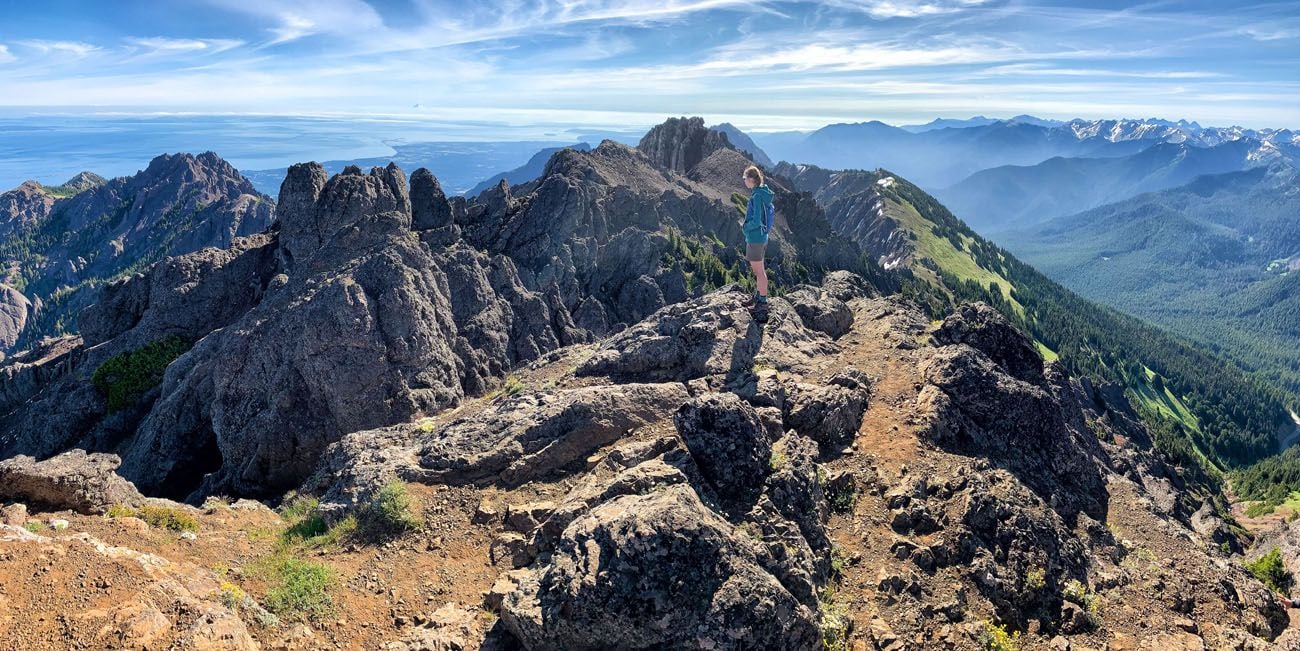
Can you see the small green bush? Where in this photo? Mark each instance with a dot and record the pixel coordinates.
(124, 378)
(298, 589)
(841, 496)
(1079, 593)
(307, 526)
(167, 518)
(776, 462)
(1271, 571)
(35, 526)
(120, 511)
(391, 512)
(1036, 579)
(835, 622)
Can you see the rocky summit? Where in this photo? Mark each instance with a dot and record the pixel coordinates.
(62, 243)
(543, 419)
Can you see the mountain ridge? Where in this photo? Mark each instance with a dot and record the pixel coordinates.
(1016, 197)
(548, 383)
(65, 242)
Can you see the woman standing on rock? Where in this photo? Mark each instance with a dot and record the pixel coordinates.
(760, 214)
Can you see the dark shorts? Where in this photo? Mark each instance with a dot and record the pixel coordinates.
(754, 251)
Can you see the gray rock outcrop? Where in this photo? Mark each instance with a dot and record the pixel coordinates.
(681, 143)
(75, 480)
(14, 308)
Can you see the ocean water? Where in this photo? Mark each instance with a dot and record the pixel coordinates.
(53, 148)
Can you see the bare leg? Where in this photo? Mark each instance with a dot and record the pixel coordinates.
(760, 276)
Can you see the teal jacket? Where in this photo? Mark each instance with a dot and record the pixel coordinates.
(753, 224)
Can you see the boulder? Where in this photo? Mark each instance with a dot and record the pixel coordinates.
(74, 480)
(709, 336)
(820, 310)
(531, 435)
(831, 414)
(727, 441)
(658, 570)
(986, 330)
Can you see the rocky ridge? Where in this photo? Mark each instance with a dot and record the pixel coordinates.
(417, 299)
(849, 473)
(64, 242)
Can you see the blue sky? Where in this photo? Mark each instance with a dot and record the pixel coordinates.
(763, 65)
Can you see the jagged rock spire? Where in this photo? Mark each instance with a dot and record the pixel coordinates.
(311, 208)
(680, 143)
(429, 206)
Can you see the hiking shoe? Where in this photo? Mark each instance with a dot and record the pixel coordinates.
(759, 312)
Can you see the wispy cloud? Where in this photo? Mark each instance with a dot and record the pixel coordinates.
(1266, 33)
(291, 20)
(5, 55)
(1045, 70)
(881, 9)
(783, 60)
(74, 48)
(445, 24)
(174, 45)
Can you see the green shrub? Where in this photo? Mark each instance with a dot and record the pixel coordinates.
(35, 526)
(123, 378)
(840, 495)
(391, 512)
(776, 462)
(1271, 571)
(120, 511)
(1257, 509)
(1036, 579)
(835, 623)
(296, 507)
(167, 518)
(297, 589)
(231, 596)
(1090, 601)
(307, 526)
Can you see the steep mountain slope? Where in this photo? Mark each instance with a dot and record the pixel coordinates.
(1009, 198)
(1211, 407)
(1213, 260)
(63, 243)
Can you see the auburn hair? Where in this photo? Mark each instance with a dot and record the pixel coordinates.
(752, 172)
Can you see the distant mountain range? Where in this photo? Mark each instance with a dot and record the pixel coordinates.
(1017, 197)
(1217, 260)
(460, 166)
(940, 157)
(977, 121)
